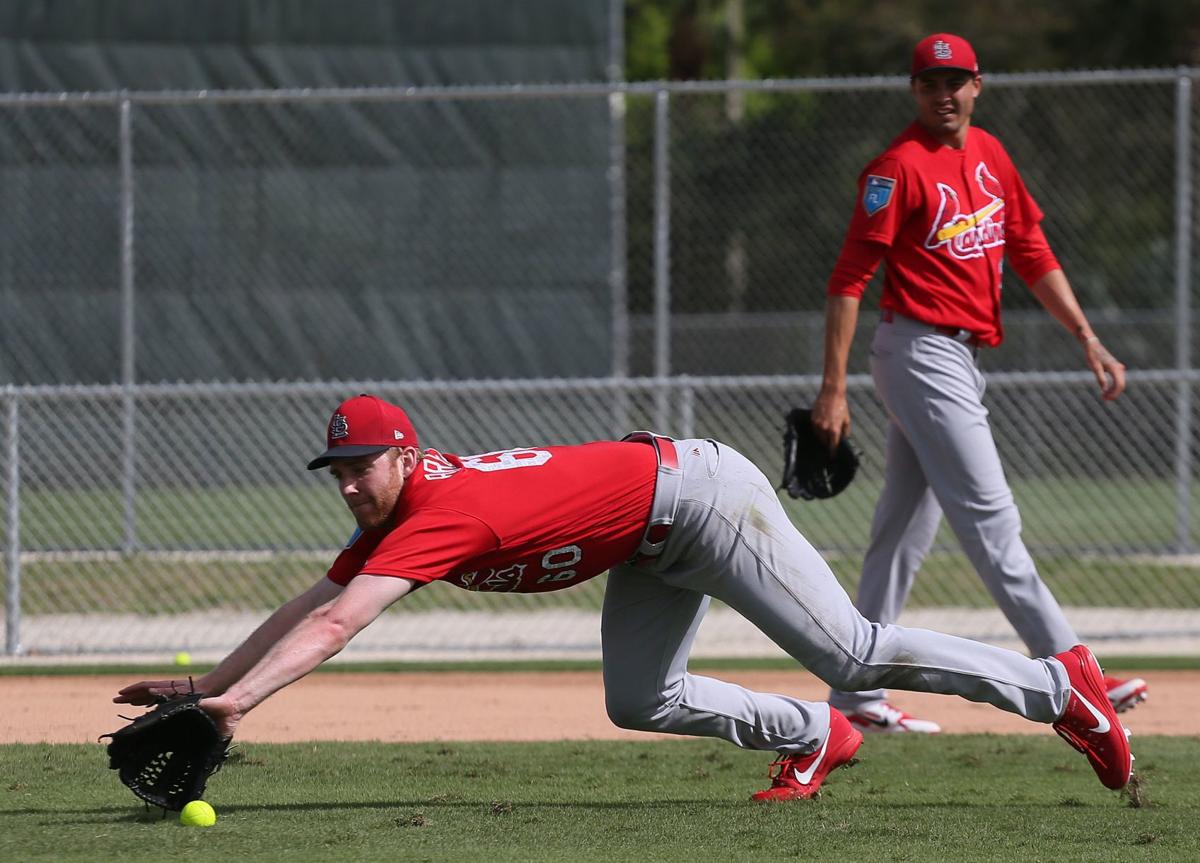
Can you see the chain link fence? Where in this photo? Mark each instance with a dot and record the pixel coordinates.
(489, 258)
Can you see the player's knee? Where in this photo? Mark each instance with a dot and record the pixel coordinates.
(631, 716)
(640, 711)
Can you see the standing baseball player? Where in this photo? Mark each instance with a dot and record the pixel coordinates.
(674, 523)
(940, 207)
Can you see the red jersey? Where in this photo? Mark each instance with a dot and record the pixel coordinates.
(521, 520)
(942, 219)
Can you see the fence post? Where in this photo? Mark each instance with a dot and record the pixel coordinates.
(662, 257)
(618, 281)
(12, 525)
(128, 335)
(1183, 312)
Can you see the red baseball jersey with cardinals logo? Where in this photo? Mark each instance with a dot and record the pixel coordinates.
(942, 219)
(521, 520)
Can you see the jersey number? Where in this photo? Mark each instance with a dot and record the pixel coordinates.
(506, 459)
(556, 561)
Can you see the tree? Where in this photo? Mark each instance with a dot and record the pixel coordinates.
(687, 39)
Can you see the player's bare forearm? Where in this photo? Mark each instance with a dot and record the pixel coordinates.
(314, 640)
(251, 651)
(323, 633)
(1054, 292)
(244, 657)
(831, 411)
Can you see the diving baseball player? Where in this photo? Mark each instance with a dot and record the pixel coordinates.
(674, 523)
(941, 207)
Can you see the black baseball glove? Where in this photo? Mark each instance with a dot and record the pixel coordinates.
(165, 756)
(810, 470)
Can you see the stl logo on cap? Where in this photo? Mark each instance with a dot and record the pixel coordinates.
(943, 51)
(365, 425)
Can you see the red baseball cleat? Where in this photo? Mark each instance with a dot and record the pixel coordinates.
(1090, 723)
(799, 777)
(1126, 694)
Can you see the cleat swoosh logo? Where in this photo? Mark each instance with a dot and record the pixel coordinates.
(1102, 725)
(806, 777)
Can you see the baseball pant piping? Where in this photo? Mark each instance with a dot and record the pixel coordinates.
(942, 457)
(732, 540)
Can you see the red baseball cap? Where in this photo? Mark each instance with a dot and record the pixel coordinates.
(944, 51)
(364, 425)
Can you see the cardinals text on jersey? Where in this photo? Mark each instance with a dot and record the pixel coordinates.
(966, 234)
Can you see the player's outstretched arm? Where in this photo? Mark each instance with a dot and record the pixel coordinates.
(1054, 292)
(321, 634)
(243, 658)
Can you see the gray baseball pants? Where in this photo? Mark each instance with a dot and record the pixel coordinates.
(941, 456)
(732, 540)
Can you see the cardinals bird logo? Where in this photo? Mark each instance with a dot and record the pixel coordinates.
(500, 580)
(966, 235)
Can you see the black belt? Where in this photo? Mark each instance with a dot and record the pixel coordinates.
(959, 335)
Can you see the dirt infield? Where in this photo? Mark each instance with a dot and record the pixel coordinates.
(565, 705)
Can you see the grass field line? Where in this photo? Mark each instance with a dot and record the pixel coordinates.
(546, 634)
(94, 555)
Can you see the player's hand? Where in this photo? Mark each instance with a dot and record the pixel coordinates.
(1109, 372)
(831, 418)
(147, 692)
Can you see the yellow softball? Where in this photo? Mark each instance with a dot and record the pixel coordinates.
(183, 658)
(198, 814)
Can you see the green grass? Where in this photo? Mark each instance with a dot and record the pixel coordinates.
(949, 580)
(1104, 512)
(305, 525)
(977, 798)
(144, 585)
(188, 517)
(1100, 512)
